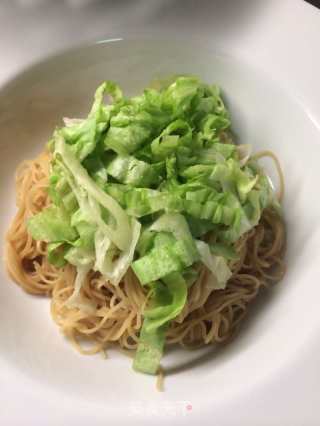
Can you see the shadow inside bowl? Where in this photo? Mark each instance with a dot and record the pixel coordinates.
(218, 353)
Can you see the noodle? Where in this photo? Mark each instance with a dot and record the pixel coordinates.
(271, 155)
(160, 380)
(116, 312)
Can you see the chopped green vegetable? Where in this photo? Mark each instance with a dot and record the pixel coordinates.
(56, 254)
(134, 172)
(161, 313)
(163, 260)
(217, 265)
(150, 349)
(168, 301)
(51, 225)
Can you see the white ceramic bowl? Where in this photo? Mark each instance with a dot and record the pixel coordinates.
(38, 365)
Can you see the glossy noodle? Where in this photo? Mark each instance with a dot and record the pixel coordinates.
(113, 314)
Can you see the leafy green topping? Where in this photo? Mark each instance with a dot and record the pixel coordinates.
(51, 225)
(168, 301)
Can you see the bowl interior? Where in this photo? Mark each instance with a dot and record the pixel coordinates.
(263, 114)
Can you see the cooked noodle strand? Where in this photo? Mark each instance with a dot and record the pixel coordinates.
(208, 316)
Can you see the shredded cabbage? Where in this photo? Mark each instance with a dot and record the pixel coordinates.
(217, 265)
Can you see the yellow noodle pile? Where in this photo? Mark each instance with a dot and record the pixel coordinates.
(117, 314)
